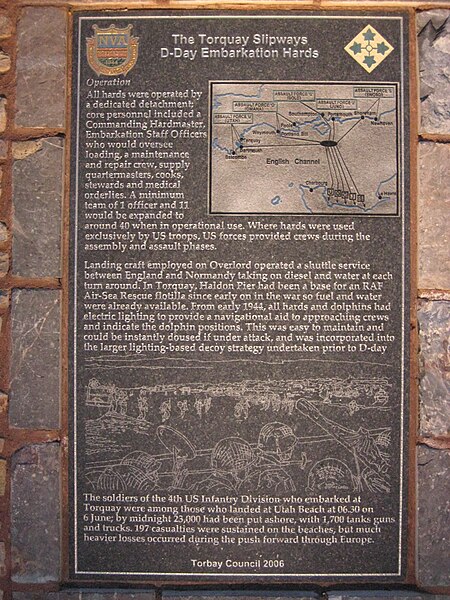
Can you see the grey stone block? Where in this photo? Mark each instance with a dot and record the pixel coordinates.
(37, 199)
(41, 62)
(120, 595)
(35, 498)
(434, 517)
(35, 381)
(384, 595)
(124, 595)
(434, 56)
(2, 559)
(239, 596)
(86, 594)
(434, 389)
(434, 215)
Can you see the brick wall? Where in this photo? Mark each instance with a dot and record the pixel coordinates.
(32, 444)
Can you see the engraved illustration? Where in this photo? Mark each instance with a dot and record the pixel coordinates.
(307, 433)
(303, 147)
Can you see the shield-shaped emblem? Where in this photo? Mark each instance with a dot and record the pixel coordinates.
(112, 51)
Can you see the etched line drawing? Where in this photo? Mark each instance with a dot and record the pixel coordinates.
(329, 455)
(302, 147)
(352, 394)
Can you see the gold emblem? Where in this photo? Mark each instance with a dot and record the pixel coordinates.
(369, 48)
(112, 51)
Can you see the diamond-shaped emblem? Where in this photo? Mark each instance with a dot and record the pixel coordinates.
(369, 48)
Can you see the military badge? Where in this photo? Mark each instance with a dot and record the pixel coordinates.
(369, 48)
(112, 51)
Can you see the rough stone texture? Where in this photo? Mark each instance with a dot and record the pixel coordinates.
(434, 332)
(21, 150)
(2, 477)
(373, 595)
(120, 596)
(5, 62)
(34, 391)
(434, 59)
(3, 403)
(2, 114)
(84, 594)
(37, 198)
(41, 62)
(4, 299)
(352, 2)
(2, 559)
(3, 232)
(35, 498)
(434, 215)
(434, 294)
(108, 595)
(4, 263)
(299, 595)
(434, 517)
(6, 27)
(3, 149)
(349, 595)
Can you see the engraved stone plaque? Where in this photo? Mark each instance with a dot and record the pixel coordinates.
(239, 297)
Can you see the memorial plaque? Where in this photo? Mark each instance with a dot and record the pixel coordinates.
(239, 297)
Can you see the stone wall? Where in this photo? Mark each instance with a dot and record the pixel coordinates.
(32, 287)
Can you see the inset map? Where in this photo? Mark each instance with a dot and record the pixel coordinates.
(304, 147)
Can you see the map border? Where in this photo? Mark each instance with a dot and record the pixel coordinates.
(398, 141)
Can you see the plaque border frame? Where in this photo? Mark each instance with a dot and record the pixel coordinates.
(222, 581)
